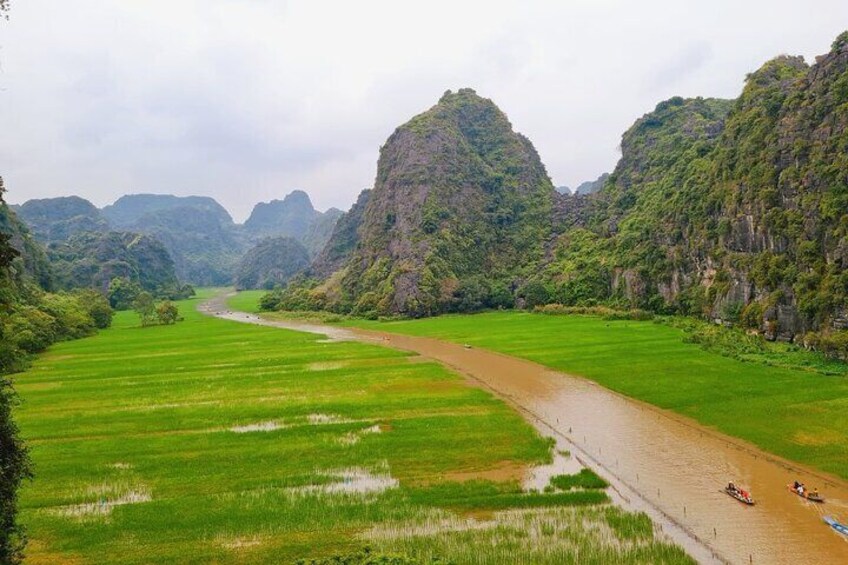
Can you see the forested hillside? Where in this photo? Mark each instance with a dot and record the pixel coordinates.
(57, 219)
(93, 260)
(735, 210)
(271, 263)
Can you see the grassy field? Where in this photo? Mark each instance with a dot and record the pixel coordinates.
(214, 441)
(797, 414)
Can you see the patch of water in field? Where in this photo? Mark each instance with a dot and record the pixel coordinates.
(666, 465)
(269, 426)
(351, 481)
(101, 507)
(539, 477)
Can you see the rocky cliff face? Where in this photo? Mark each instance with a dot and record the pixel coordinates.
(294, 216)
(459, 197)
(735, 210)
(343, 241)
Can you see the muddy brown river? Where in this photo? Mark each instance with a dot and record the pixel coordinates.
(657, 462)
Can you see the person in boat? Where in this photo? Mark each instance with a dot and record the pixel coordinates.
(815, 493)
(801, 489)
(796, 485)
(731, 487)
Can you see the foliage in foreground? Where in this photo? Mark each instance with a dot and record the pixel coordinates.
(367, 556)
(30, 321)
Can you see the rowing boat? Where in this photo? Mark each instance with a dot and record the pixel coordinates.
(841, 528)
(806, 495)
(744, 498)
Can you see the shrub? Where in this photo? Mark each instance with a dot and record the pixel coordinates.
(167, 312)
(145, 308)
(585, 479)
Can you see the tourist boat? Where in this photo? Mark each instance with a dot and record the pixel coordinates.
(807, 495)
(740, 495)
(841, 528)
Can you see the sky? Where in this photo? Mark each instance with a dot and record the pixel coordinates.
(247, 100)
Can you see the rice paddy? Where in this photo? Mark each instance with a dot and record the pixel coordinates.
(214, 441)
(799, 414)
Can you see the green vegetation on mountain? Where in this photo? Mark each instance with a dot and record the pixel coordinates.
(93, 260)
(735, 210)
(293, 216)
(271, 263)
(198, 233)
(458, 215)
(128, 210)
(205, 250)
(30, 259)
(290, 216)
(732, 210)
(82, 252)
(58, 219)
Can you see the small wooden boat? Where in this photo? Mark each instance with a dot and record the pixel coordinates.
(740, 495)
(841, 528)
(807, 495)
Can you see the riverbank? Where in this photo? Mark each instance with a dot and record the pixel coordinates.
(696, 460)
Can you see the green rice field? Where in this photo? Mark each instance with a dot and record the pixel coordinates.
(798, 414)
(215, 441)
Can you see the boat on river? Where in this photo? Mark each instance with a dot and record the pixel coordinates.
(805, 494)
(841, 528)
(739, 494)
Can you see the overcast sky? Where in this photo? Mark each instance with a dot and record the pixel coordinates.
(246, 100)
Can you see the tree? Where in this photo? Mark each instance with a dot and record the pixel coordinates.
(122, 293)
(97, 306)
(15, 465)
(167, 312)
(145, 308)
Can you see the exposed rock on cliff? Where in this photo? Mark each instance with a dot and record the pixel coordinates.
(461, 203)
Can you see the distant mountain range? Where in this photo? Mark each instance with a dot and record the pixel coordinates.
(199, 235)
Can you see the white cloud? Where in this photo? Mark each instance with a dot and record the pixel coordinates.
(247, 100)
